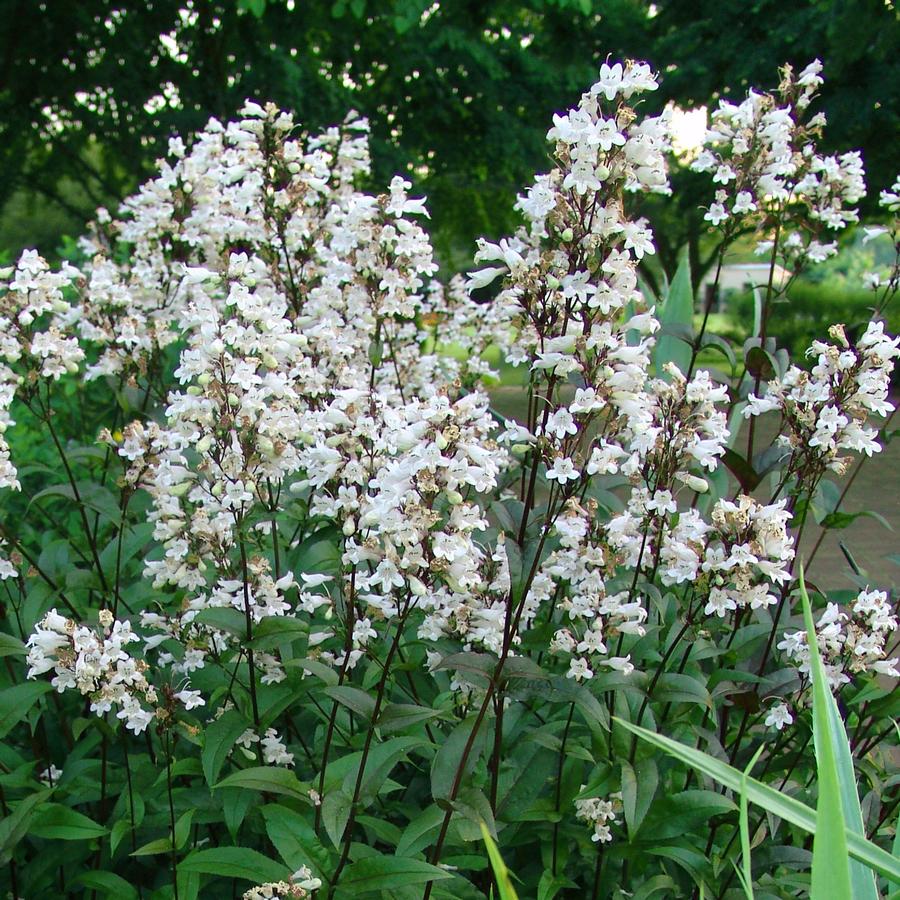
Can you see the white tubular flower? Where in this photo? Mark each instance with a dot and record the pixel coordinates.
(599, 814)
(762, 151)
(852, 641)
(779, 716)
(95, 664)
(827, 408)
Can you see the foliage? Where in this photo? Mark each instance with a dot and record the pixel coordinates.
(292, 610)
(800, 312)
(92, 91)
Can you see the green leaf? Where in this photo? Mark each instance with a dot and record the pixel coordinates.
(379, 765)
(838, 805)
(477, 667)
(447, 759)
(229, 620)
(236, 803)
(674, 687)
(676, 317)
(15, 826)
(117, 833)
(760, 363)
(501, 873)
(314, 667)
(183, 828)
(235, 862)
(154, 847)
(385, 873)
(107, 883)
(528, 768)
(421, 831)
(269, 779)
(335, 814)
(275, 630)
(11, 646)
(747, 476)
(400, 716)
(188, 884)
(716, 342)
(550, 885)
(475, 808)
(639, 783)
(768, 798)
(353, 698)
(16, 702)
(58, 822)
(218, 741)
(294, 839)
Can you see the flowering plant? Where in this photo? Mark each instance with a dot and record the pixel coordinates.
(307, 603)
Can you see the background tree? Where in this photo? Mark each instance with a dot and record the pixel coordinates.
(90, 92)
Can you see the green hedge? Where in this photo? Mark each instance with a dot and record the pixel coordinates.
(801, 317)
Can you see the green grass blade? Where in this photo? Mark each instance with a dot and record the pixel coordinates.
(746, 870)
(831, 862)
(768, 798)
(501, 873)
(830, 736)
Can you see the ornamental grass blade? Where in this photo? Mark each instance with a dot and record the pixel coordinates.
(501, 873)
(745, 872)
(768, 798)
(833, 873)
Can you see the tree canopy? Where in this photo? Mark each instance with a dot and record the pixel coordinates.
(458, 93)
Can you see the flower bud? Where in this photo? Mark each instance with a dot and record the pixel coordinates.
(218, 489)
(269, 361)
(194, 391)
(204, 379)
(696, 483)
(455, 497)
(204, 443)
(417, 587)
(567, 235)
(349, 526)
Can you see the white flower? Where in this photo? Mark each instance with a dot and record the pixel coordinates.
(563, 470)
(716, 214)
(778, 717)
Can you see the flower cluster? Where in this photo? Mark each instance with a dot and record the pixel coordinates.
(95, 664)
(826, 410)
(274, 751)
(749, 551)
(764, 156)
(301, 884)
(599, 814)
(35, 346)
(851, 641)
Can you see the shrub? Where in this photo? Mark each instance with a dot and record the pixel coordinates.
(315, 615)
